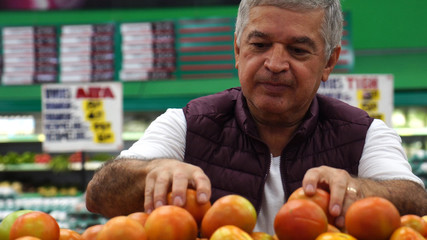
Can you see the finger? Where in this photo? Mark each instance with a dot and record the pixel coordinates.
(203, 186)
(179, 189)
(148, 194)
(310, 180)
(337, 186)
(351, 195)
(161, 189)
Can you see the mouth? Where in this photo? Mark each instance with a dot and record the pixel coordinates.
(275, 87)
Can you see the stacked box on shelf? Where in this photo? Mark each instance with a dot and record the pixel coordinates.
(30, 55)
(87, 53)
(205, 48)
(148, 51)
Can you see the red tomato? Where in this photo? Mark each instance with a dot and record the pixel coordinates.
(335, 236)
(230, 232)
(141, 217)
(300, 219)
(191, 205)
(406, 233)
(91, 232)
(261, 236)
(372, 218)
(122, 227)
(171, 222)
(413, 221)
(229, 210)
(35, 224)
(68, 234)
(321, 198)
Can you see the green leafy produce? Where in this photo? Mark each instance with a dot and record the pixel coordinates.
(59, 163)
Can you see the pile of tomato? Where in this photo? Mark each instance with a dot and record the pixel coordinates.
(231, 217)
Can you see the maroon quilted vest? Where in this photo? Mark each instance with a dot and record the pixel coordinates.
(222, 139)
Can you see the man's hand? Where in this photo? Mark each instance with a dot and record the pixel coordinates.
(165, 175)
(344, 189)
(408, 196)
(124, 186)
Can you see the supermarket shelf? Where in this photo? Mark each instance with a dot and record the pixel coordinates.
(411, 131)
(89, 166)
(137, 96)
(133, 136)
(127, 136)
(22, 138)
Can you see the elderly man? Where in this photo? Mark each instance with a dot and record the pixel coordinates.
(270, 136)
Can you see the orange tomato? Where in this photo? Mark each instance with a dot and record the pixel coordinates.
(91, 232)
(122, 227)
(28, 238)
(68, 234)
(321, 198)
(230, 232)
(35, 224)
(406, 233)
(229, 210)
(141, 217)
(372, 218)
(425, 225)
(332, 228)
(191, 205)
(171, 222)
(335, 236)
(261, 236)
(413, 221)
(300, 219)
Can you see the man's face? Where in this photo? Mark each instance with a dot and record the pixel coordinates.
(281, 62)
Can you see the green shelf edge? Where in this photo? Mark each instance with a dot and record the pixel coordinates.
(137, 96)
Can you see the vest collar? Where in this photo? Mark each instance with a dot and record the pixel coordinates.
(247, 123)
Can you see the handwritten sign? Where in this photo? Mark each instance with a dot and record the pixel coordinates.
(372, 93)
(82, 117)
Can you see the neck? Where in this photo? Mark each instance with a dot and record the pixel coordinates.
(276, 137)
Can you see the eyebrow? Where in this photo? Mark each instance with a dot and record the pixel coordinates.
(258, 34)
(300, 40)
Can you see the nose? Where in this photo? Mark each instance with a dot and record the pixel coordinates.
(277, 59)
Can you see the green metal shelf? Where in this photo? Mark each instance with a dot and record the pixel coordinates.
(137, 96)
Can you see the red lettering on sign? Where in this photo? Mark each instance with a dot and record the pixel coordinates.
(94, 92)
(363, 83)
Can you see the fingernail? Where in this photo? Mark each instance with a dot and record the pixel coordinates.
(309, 188)
(178, 201)
(203, 197)
(159, 204)
(148, 211)
(335, 210)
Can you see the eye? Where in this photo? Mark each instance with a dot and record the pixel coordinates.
(259, 45)
(299, 51)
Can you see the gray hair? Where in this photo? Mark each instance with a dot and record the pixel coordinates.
(332, 25)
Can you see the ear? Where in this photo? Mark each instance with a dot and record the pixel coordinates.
(333, 59)
(236, 52)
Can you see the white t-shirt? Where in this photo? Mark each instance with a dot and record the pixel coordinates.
(383, 157)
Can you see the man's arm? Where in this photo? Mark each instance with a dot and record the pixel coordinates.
(408, 196)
